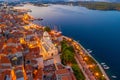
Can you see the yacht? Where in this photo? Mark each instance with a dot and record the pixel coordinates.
(89, 51)
(102, 63)
(114, 76)
(105, 66)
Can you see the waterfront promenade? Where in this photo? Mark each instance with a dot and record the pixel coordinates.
(82, 64)
(102, 70)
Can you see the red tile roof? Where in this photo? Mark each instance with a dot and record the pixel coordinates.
(62, 71)
(39, 75)
(66, 77)
(4, 59)
(28, 68)
(3, 74)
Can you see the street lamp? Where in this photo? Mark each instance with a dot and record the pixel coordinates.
(96, 74)
(85, 58)
(91, 65)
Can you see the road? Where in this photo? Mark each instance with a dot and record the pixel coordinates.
(82, 69)
(82, 64)
(102, 70)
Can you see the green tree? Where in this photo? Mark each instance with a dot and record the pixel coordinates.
(47, 29)
(78, 73)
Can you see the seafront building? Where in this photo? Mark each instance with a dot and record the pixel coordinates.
(49, 48)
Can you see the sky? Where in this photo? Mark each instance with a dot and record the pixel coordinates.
(66, 0)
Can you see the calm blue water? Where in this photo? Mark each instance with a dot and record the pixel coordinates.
(96, 30)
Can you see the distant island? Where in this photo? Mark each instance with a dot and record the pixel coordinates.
(88, 4)
(93, 5)
(97, 5)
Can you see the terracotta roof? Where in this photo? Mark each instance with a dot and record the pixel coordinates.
(2, 39)
(39, 75)
(28, 33)
(65, 74)
(29, 56)
(60, 66)
(12, 40)
(12, 49)
(39, 56)
(33, 62)
(4, 59)
(35, 49)
(5, 67)
(1, 45)
(33, 38)
(18, 34)
(18, 68)
(3, 74)
(66, 77)
(7, 72)
(28, 68)
(62, 71)
(32, 56)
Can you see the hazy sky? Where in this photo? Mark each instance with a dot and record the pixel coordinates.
(63, 0)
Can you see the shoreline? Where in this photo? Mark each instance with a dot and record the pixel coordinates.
(92, 5)
(101, 68)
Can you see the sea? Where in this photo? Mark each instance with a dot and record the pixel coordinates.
(96, 30)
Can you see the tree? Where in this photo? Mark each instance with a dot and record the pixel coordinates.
(47, 29)
(67, 57)
(78, 73)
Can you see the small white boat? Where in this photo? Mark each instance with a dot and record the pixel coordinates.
(114, 76)
(89, 51)
(105, 66)
(102, 63)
